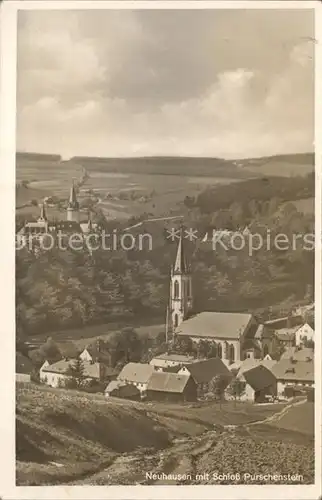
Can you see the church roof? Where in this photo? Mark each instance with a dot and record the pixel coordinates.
(221, 325)
(180, 265)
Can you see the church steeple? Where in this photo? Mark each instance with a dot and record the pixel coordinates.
(180, 265)
(73, 205)
(180, 287)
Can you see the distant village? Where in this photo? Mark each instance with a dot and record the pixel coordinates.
(266, 362)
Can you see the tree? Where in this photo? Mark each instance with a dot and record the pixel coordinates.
(217, 386)
(75, 373)
(236, 388)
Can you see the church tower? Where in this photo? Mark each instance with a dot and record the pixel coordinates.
(43, 216)
(180, 288)
(73, 206)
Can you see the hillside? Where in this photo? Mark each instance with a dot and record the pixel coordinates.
(71, 437)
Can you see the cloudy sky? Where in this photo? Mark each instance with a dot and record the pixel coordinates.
(224, 83)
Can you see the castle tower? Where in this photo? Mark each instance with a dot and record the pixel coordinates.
(73, 206)
(180, 288)
(43, 215)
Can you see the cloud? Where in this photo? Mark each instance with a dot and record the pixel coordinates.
(126, 83)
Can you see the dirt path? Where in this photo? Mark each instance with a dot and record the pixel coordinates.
(172, 466)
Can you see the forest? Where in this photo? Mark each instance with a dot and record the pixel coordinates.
(61, 289)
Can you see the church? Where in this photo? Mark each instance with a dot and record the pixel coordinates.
(231, 333)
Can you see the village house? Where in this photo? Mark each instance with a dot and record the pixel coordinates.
(165, 361)
(293, 374)
(304, 334)
(202, 372)
(298, 353)
(240, 367)
(171, 387)
(260, 383)
(137, 374)
(119, 389)
(24, 368)
(57, 374)
(274, 333)
(96, 352)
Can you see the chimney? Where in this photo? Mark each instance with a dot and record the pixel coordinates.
(289, 321)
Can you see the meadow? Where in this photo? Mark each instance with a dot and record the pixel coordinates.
(68, 437)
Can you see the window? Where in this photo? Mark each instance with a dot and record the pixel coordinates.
(176, 289)
(231, 353)
(219, 351)
(176, 320)
(189, 288)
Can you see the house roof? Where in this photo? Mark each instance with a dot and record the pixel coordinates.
(259, 377)
(300, 354)
(98, 351)
(248, 364)
(23, 364)
(216, 325)
(167, 382)
(91, 370)
(302, 371)
(283, 322)
(136, 372)
(204, 371)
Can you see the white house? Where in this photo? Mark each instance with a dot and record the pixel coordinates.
(137, 374)
(290, 372)
(170, 360)
(303, 334)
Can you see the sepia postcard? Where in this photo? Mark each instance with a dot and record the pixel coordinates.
(161, 270)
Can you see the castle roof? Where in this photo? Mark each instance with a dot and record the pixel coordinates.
(73, 203)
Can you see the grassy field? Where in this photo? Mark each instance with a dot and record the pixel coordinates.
(76, 438)
(133, 192)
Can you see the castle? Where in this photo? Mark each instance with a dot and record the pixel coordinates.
(231, 334)
(72, 224)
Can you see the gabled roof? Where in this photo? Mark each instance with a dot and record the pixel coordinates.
(23, 364)
(204, 371)
(91, 370)
(122, 388)
(216, 325)
(300, 354)
(302, 371)
(248, 364)
(98, 351)
(259, 378)
(167, 382)
(136, 372)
